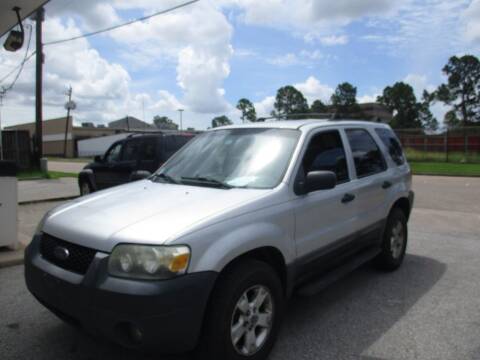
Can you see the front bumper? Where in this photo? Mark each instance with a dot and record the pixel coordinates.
(168, 314)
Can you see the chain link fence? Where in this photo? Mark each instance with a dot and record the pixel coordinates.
(459, 145)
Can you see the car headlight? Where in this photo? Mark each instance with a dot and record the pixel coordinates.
(148, 262)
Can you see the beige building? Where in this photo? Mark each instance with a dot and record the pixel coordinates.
(54, 135)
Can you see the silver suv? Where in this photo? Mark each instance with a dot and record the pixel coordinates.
(204, 253)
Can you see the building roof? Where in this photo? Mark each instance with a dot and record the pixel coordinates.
(129, 122)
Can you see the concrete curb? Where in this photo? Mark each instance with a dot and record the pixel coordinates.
(64, 198)
(11, 258)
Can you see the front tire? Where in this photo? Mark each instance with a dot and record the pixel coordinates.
(394, 243)
(85, 188)
(244, 314)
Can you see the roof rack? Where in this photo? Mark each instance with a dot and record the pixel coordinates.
(159, 131)
(321, 116)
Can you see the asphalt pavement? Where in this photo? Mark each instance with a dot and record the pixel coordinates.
(428, 309)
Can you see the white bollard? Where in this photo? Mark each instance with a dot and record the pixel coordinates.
(44, 165)
(8, 205)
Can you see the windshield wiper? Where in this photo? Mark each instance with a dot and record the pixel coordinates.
(208, 181)
(166, 177)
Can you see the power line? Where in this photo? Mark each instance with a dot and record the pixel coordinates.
(121, 25)
(20, 66)
(28, 57)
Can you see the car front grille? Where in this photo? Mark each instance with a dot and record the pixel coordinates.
(76, 258)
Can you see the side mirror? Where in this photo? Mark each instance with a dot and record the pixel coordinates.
(97, 159)
(318, 180)
(139, 175)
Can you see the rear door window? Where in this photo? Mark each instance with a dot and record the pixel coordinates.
(131, 150)
(367, 156)
(149, 149)
(392, 143)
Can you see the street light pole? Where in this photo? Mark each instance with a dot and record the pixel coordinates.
(180, 111)
(70, 105)
(39, 17)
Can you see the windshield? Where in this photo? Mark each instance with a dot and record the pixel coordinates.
(250, 158)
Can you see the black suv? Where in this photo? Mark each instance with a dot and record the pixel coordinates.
(132, 158)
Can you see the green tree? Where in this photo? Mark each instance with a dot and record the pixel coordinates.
(165, 123)
(318, 107)
(289, 101)
(429, 122)
(247, 109)
(400, 99)
(462, 90)
(345, 98)
(451, 120)
(221, 121)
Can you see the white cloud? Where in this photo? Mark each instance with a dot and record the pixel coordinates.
(334, 40)
(313, 55)
(265, 106)
(312, 19)
(288, 59)
(422, 31)
(313, 89)
(201, 50)
(419, 83)
(200, 76)
(93, 14)
(304, 58)
(367, 98)
(472, 17)
(101, 89)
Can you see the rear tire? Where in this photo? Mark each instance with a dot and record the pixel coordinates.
(244, 314)
(395, 238)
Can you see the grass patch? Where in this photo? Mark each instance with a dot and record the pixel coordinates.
(37, 174)
(440, 156)
(443, 168)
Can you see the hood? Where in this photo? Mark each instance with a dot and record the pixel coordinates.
(141, 212)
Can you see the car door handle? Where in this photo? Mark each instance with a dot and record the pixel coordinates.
(386, 184)
(347, 198)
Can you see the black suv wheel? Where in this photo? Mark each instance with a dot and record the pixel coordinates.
(394, 242)
(244, 314)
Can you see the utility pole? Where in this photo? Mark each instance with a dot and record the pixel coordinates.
(180, 111)
(70, 105)
(39, 17)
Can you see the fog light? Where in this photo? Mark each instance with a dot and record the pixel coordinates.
(136, 334)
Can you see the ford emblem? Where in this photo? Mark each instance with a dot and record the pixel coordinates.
(61, 253)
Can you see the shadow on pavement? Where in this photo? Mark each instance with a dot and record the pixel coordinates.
(339, 323)
(348, 317)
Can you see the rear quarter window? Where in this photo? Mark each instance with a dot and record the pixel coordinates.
(392, 143)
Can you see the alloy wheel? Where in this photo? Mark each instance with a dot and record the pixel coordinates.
(252, 320)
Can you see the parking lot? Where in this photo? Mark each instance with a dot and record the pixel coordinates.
(429, 309)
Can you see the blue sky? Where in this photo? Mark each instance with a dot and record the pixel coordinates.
(206, 56)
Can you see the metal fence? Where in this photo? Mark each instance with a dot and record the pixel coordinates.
(460, 145)
(16, 147)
